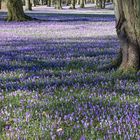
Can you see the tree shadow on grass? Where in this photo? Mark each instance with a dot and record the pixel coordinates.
(23, 54)
(58, 63)
(69, 17)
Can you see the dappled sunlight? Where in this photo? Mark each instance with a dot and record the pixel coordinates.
(57, 80)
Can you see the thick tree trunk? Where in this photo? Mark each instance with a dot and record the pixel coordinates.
(15, 11)
(128, 29)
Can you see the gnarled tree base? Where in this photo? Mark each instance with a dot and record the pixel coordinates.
(14, 18)
(128, 30)
(128, 59)
(15, 11)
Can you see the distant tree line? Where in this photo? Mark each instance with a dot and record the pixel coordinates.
(102, 3)
(58, 4)
(16, 12)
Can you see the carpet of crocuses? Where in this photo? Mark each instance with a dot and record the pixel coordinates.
(57, 81)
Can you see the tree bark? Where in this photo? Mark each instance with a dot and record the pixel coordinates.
(15, 11)
(0, 4)
(28, 5)
(72, 4)
(128, 29)
(58, 4)
(82, 3)
(78, 2)
(41, 2)
(100, 3)
(34, 3)
(49, 3)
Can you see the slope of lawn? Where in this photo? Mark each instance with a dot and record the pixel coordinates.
(57, 81)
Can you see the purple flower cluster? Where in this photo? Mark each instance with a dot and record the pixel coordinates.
(55, 83)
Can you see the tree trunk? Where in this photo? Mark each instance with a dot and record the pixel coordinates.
(58, 4)
(78, 2)
(100, 3)
(41, 2)
(0, 4)
(68, 2)
(28, 5)
(33, 3)
(49, 3)
(128, 29)
(15, 11)
(72, 4)
(82, 3)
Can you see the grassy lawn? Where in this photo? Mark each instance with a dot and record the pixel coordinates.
(57, 81)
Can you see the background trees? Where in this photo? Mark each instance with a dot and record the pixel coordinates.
(58, 4)
(28, 4)
(73, 2)
(100, 3)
